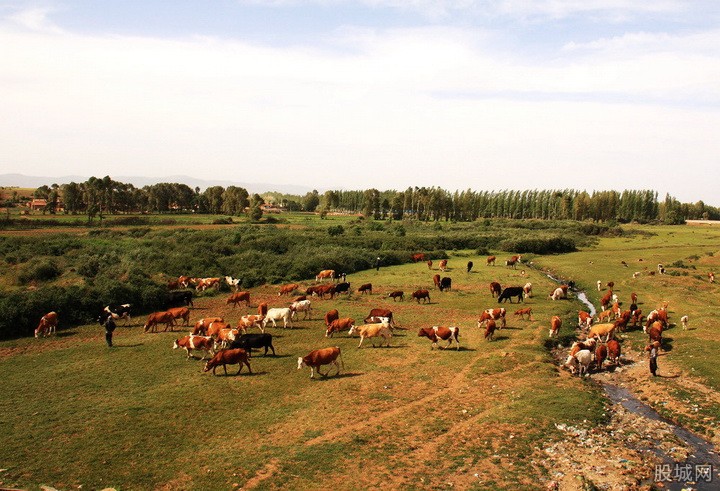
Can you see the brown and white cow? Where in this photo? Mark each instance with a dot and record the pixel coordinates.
(372, 331)
(238, 297)
(512, 262)
(288, 289)
(181, 313)
(380, 313)
(338, 325)
(423, 295)
(319, 357)
(303, 306)
(202, 325)
(325, 274)
(555, 324)
(248, 321)
(606, 299)
(436, 333)
(527, 290)
(443, 265)
(200, 343)
(491, 261)
(585, 320)
(47, 325)
(156, 318)
(205, 283)
(493, 314)
(226, 357)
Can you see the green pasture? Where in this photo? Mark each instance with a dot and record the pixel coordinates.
(141, 416)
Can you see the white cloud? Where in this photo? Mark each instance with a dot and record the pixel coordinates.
(35, 19)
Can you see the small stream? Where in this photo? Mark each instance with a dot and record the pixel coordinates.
(702, 452)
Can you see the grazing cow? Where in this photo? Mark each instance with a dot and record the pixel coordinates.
(47, 325)
(711, 277)
(610, 285)
(443, 265)
(604, 316)
(375, 313)
(372, 331)
(159, 318)
(232, 282)
(633, 298)
(615, 309)
(654, 332)
(584, 319)
(262, 309)
(512, 262)
(202, 325)
(622, 321)
(331, 315)
(491, 261)
(181, 313)
(637, 316)
(119, 312)
(319, 357)
(343, 287)
(224, 333)
(555, 324)
(201, 343)
(489, 329)
(248, 321)
(288, 289)
(179, 298)
(416, 258)
(523, 312)
(599, 285)
(527, 290)
(435, 333)
(436, 281)
(509, 292)
(588, 344)
(613, 351)
(366, 288)
(601, 353)
(276, 314)
(493, 314)
(421, 294)
(657, 315)
(445, 284)
(580, 362)
(469, 266)
(495, 289)
(254, 340)
(429, 264)
(238, 297)
(558, 293)
(600, 330)
(684, 321)
(302, 306)
(397, 294)
(605, 300)
(228, 357)
(322, 290)
(338, 325)
(325, 274)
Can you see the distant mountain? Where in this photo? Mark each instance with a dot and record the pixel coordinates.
(24, 181)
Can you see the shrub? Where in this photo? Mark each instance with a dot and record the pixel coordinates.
(38, 270)
(336, 230)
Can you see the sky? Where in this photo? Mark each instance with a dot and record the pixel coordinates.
(355, 94)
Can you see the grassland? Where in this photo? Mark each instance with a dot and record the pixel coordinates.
(140, 416)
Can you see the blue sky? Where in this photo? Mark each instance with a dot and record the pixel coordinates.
(510, 94)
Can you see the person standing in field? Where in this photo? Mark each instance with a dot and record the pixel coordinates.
(377, 264)
(653, 348)
(109, 325)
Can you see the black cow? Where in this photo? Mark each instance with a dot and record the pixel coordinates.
(179, 298)
(254, 340)
(511, 291)
(445, 284)
(469, 266)
(116, 311)
(340, 277)
(342, 288)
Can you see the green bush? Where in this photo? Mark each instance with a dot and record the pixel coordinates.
(38, 270)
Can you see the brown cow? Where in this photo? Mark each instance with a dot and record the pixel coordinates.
(523, 312)
(601, 353)
(203, 324)
(435, 333)
(429, 264)
(654, 332)
(238, 297)
(160, 318)
(416, 258)
(606, 299)
(443, 265)
(584, 319)
(322, 290)
(319, 357)
(288, 289)
(181, 313)
(325, 274)
(613, 351)
(489, 329)
(338, 325)
(492, 314)
(262, 309)
(397, 294)
(555, 324)
(189, 343)
(495, 289)
(491, 261)
(225, 357)
(331, 315)
(421, 294)
(436, 280)
(366, 288)
(48, 324)
(375, 314)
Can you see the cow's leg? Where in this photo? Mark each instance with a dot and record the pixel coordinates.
(336, 366)
(225, 368)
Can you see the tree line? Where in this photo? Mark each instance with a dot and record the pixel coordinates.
(98, 196)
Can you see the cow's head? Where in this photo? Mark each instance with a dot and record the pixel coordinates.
(175, 344)
(352, 330)
(301, 362)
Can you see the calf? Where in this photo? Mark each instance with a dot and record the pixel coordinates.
(684, 321)
(555, 324)
(557, 294)
(510, 292)
(47, 325)
(523, 312)
(443, 265)
(366, 288)
(228, 357)
(319, 357)
(434, 333)
(397, 294)
(423, 295)
(181, 313)
(255, 340)
(372, 331)
(338, 325)
(238, 297)
(189, 343)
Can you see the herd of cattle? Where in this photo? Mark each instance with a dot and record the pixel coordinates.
(226, 344)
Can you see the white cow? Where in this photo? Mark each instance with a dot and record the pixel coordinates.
(302, 306)
(557, 294)
(381, 330)
(232, 282)
(580, 362)
(276, 314)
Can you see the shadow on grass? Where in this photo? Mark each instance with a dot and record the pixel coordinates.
(127, 345)
(64, 334)
(326, 378)
(500, 338)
